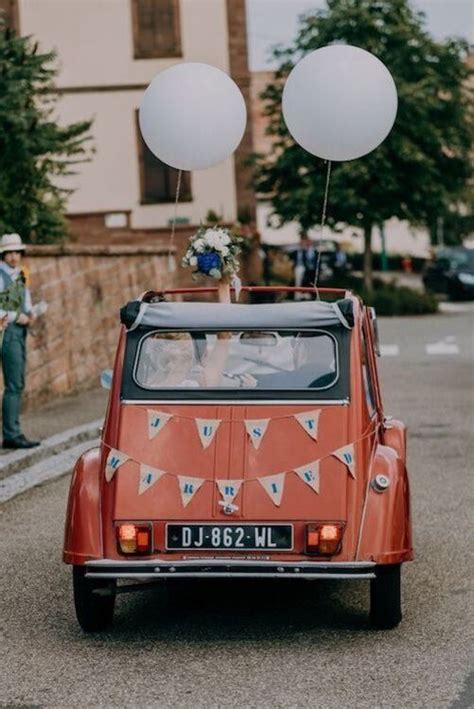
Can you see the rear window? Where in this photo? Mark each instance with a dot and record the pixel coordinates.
(237, 360)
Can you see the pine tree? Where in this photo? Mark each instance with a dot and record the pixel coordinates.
(35, 151)
(420, 171)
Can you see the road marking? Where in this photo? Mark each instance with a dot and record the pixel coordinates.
(48, 469)
(389, 350)
(446, 346)
(447, 307)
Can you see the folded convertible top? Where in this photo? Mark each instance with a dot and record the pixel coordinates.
(218, 316)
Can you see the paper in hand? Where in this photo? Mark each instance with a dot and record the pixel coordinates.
(39, 308)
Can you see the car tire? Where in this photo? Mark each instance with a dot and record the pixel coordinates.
(94, 611)
(385, 597)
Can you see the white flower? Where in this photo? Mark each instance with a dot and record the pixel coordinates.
(193, 261)
(223, 236)
(213, 240)
(216, 238)
(224, 250)
(199, 245)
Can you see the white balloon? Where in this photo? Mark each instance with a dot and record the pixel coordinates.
(340, 102)
(192, 116)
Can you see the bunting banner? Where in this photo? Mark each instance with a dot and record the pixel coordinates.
(346, 456)
(256, 430)
(309, 474)
(309, 420)
(148, 477)
(157, 420)
(207, 429)
(188, 487)
(273, 486)
(229, 489)
(114, 460)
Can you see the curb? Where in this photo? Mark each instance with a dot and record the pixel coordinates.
(53, 467)
(18, 460)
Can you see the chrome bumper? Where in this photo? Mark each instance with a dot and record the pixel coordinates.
(155, 569)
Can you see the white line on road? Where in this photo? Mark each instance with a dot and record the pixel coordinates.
(446, 346)
(389, 350)
(457, 307)
(49, 469)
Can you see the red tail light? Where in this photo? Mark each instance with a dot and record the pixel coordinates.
(134, 538)
(324, 538)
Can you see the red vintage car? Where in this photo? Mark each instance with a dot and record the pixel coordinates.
(242, 441)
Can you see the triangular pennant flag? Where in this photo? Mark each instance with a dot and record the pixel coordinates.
(148, 477)
(346, 456)
(114, 460)
(309, 474)
(256, 430)
(157, 420)
(229, 489)
(309, 420)
(188, 488)
(273, 486)
(207, 429)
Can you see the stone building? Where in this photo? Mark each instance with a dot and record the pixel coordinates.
(108, 52)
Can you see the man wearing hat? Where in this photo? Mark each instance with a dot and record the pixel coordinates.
(16, 313)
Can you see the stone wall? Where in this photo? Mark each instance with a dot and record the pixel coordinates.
(84, 287)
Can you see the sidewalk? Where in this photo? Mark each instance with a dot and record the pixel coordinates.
(62, 414)
(66, 428)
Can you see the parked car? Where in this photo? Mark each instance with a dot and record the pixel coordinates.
(242, 441)
(451, 272)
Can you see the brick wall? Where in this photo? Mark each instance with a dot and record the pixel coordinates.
(84, 287)
(239, 71)
(259, 82)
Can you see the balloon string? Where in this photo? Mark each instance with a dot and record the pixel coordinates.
(323, 220)
(175, 215)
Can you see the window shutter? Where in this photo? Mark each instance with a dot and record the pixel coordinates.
(9, 13)
(156, 28)
(158, 181)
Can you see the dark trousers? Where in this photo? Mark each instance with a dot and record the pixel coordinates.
(13, 366)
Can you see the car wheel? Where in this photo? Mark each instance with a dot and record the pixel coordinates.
(94, 600)
(385, 597)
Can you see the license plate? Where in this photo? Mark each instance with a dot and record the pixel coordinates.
(254, 537)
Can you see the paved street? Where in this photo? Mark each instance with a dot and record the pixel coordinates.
(263, 645)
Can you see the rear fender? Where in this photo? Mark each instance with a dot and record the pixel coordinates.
(395, 436)
(385, 535)
(83, 533)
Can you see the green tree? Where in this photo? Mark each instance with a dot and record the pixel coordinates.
(35, 151)
(420, 170)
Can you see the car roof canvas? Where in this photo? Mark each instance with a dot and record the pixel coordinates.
(217, 316)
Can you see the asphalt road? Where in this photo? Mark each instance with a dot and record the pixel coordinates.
(261, 645)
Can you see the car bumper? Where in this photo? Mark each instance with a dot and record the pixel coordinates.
(155, 569)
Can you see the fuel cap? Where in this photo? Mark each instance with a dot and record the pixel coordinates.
(381, 483)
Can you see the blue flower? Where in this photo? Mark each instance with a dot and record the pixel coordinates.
(207, 262)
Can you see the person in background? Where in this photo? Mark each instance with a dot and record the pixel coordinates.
(339, 261)
(304, 261)
(16, 314)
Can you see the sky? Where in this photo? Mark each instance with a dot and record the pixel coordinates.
(273, 21)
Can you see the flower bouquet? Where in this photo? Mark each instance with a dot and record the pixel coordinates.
(12, 299)
(213, 252)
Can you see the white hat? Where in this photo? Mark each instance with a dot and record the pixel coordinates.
(11, 242)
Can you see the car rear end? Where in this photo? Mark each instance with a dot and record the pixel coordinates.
(237, 447)
(238, 504)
